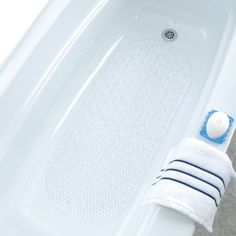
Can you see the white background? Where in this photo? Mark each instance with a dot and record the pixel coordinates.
(16, 16)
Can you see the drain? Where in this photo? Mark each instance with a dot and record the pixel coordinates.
(169, 34)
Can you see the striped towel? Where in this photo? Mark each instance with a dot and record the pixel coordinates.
(193, 181)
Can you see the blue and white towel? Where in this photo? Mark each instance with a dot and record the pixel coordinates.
(193, 181)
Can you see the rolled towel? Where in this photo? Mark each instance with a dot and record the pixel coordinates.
(193, 181)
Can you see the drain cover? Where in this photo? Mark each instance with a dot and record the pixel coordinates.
(169, 34)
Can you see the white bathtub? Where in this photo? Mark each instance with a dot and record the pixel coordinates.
(92, 100)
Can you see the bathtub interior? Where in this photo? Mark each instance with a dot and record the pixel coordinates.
(84, 138)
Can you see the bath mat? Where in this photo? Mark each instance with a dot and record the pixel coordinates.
(99, 162)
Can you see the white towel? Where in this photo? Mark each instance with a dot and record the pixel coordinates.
(193, 181)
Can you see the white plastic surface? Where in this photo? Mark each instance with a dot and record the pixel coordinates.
(39, 98)
(116, 131)
(15, 21)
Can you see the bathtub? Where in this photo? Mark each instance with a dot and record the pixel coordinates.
(93, 99)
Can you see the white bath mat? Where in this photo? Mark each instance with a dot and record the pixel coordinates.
(100, 161)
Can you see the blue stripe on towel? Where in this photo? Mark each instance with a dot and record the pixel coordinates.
(183, 172)
(198, 167)
(163, 170)
(192, 187)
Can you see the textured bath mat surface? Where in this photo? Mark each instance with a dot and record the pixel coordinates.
(99, 162)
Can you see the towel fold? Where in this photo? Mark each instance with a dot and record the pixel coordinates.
(193, 181)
